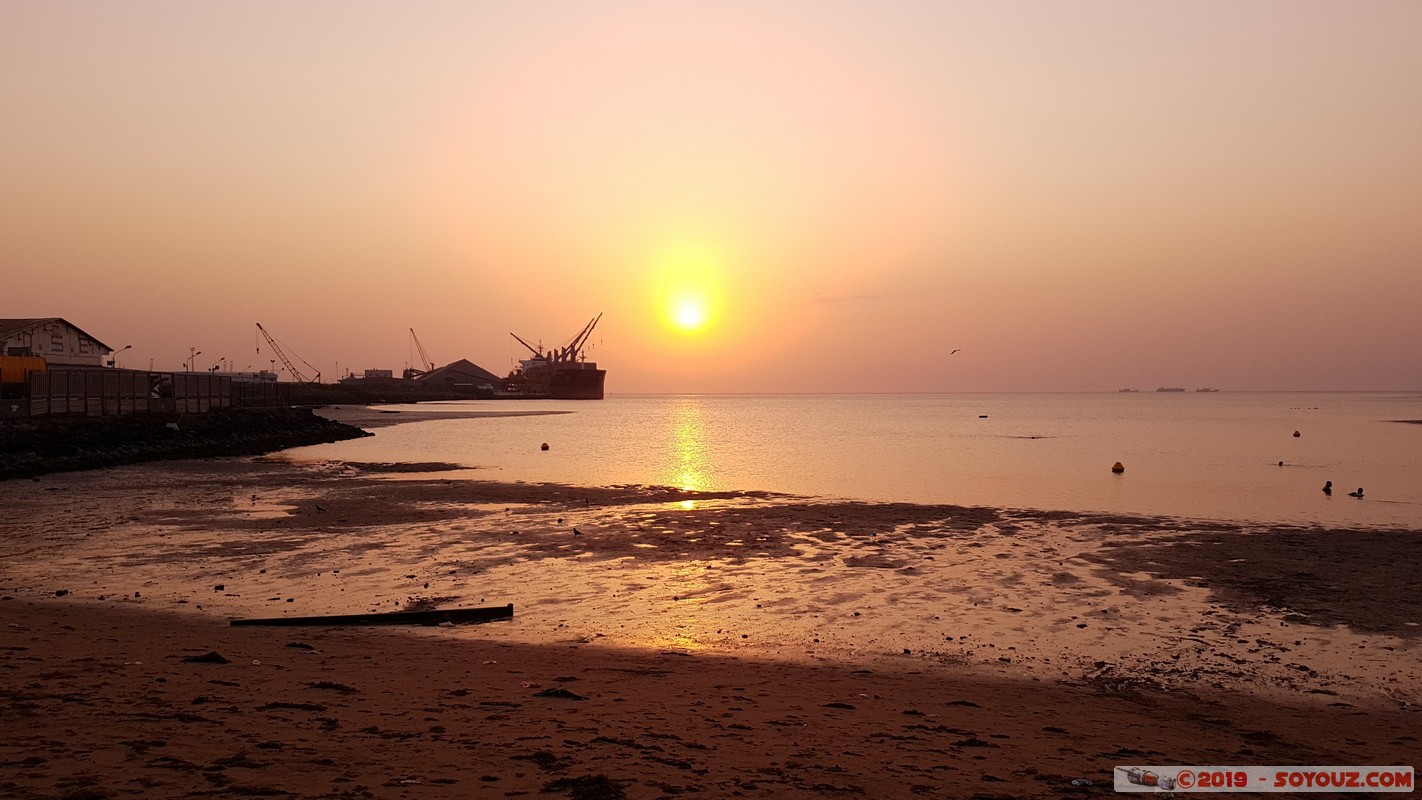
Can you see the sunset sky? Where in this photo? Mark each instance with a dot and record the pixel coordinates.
(759, 196)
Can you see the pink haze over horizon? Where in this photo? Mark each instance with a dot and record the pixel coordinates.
(1080, 196)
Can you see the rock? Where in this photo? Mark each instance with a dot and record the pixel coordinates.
(57, 444)
(333, 686)
(561, 693)
(210, 657)
(588, 787)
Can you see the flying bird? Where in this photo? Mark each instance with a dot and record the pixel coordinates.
(955, 351)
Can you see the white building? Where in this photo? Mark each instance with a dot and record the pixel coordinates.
(59, 342)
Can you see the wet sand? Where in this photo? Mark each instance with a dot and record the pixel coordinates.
(727, 644)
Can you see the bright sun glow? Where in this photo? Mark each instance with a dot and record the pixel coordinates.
(689, 313)
(688, 290)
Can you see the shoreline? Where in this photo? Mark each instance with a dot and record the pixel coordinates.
(733, 620)
(816, 578)
(36, 446)
(367, 417)
(31, 447)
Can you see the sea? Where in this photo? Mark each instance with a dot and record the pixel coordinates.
(1225, 456)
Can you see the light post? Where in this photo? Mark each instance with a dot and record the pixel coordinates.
(113, 358)
(193, 353)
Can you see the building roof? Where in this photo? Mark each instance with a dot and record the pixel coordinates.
(461, 368)
(10, 327)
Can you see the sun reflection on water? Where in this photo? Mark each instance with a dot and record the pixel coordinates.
(689, 466)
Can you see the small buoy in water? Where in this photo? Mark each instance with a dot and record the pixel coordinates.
(544, 447)
(1281, 463)
(982, 416)
(1118, 468)
(1297, 434)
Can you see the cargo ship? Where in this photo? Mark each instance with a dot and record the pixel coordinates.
(561, 373)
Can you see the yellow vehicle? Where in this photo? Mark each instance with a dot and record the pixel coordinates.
(15, 373)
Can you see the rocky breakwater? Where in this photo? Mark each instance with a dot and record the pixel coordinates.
(39, 446)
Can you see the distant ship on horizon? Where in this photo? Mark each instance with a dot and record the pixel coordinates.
(1206, 390)
(1171, 389)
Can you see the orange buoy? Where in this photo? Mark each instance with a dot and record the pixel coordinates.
(1118, 468)
(544, 447)
(1297, 434)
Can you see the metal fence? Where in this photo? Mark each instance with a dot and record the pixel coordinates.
(105, 392)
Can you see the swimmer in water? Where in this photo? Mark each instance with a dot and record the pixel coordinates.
(1328, 487)
(1358, 493)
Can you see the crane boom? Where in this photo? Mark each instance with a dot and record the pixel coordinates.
(276, 348)
(582, 338)
(569, 351)
(534, 350)
(426, 364)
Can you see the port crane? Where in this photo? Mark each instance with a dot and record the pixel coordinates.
(426, 364)
(569, 352)
(290, 367)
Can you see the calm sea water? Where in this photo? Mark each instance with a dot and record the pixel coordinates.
(1201, 455)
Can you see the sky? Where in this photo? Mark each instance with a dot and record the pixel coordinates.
(791, 196)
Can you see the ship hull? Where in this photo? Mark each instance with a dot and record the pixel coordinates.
(556, 384)
(577, 384)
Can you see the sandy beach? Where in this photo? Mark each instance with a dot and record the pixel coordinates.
(668, 643)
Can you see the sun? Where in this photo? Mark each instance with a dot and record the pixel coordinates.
(689, 314)
(688, 290)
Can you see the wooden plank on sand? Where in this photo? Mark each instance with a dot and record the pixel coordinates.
(450, 615)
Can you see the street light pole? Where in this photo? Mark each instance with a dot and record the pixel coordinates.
(113, 359)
